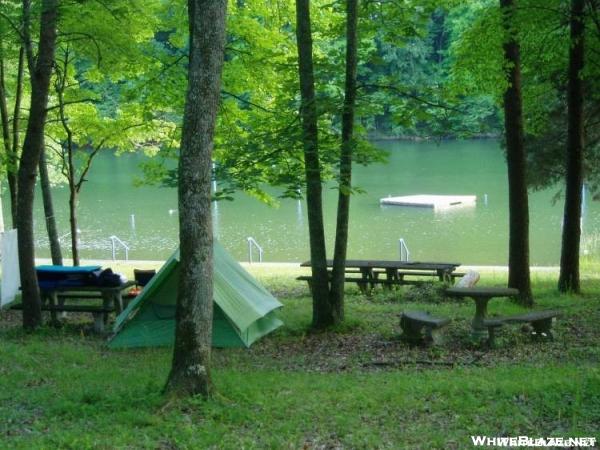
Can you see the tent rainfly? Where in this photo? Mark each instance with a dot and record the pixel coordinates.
(243, 309)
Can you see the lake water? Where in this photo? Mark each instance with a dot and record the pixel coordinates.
(471, 235)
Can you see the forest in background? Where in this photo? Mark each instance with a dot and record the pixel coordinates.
(429, 70)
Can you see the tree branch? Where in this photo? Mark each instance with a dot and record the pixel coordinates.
(27, 36)
(403, 93)
(72, 102)
(87, 37)
(248, 102)
(12, 25)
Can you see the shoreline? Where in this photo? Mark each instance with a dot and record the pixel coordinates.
(274, 265)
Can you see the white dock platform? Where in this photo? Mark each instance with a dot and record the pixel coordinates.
(431, 201)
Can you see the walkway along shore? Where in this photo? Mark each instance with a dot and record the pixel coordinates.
(141, 264)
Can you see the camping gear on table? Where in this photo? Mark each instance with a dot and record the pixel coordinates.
(56, 277)
(53, 277)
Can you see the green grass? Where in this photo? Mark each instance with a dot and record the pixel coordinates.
(354, 387)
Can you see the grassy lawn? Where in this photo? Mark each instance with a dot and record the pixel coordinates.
(356, 387)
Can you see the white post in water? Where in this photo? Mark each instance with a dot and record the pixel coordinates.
(485, 198)
(215, 210)
(133, 221)
(215, 217)
(404, 253)
(299, 212)
(252, 242)
(214, 178)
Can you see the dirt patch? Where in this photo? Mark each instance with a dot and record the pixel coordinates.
(334, 352)
(575, 339)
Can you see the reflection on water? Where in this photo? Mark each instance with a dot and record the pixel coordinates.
(146, 217)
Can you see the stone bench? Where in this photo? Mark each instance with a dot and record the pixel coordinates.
(540, 321)
(413, 323)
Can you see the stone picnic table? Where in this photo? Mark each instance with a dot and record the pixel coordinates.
(481, 296)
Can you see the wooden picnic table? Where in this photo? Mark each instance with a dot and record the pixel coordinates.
(395, 271)
(111, 296)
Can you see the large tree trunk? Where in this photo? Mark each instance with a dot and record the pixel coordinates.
(190, 370)
(323, 314)
(40, 70)
(55, 251)
(571, 234)
(345, 179)
(518, 257)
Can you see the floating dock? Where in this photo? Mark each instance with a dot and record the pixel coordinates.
(431, 201)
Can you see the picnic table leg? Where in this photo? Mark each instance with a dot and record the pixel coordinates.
(107, 300)
(364, 285)
(479, 330)
(118, 302)
(52, 298)
(61, 303)
(99, 319)
(392, 275)
(444, 276)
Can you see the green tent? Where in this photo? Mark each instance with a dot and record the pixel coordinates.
(243, 309)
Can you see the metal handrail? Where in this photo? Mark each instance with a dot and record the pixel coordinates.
(115, 240)
(252, 243)
(404, 252)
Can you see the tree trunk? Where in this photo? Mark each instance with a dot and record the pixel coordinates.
(41, 70)
(55, 251)
(73, 224)
(13, 161)
(190, 370)
(571, 234)
(518, 258)
(345, 179)
(323, 315)
(11, 142)
(4, 119)
(6, 138)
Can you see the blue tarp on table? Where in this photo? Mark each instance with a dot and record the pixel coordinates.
(52, 277)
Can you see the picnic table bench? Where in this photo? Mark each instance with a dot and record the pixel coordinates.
(413, 323)
(54, 300)
(98, 312)
(396, 273)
